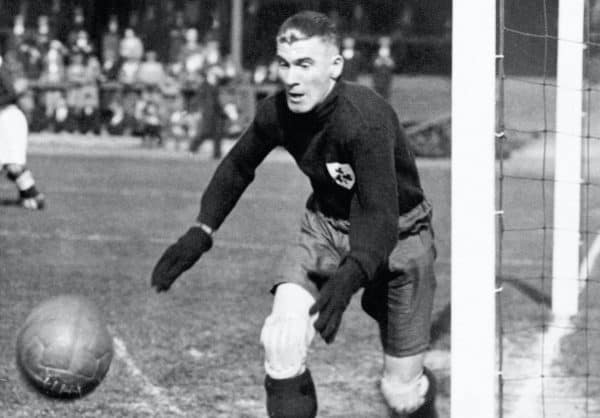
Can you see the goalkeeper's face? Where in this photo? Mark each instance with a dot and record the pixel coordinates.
(308, 68)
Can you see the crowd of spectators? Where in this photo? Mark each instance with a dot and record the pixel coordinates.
(123, 87)
(168, 84)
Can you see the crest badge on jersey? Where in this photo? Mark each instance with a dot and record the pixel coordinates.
(342, 174)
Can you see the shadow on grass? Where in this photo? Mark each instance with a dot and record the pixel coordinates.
(10, 202)
(531, 292)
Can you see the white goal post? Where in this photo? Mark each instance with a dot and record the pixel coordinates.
(473, 339)
(473, 224)
(567, 172)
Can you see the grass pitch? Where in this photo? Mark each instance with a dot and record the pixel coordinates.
(194, 351)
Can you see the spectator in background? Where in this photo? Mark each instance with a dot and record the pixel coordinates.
(272, 76)
(117, 121)
(32, 60)
(213, 115)
(131, 50)
(53, 70)
(59, 119)
(359, 22)
(110, 65)
(336, 19)
(266, 74)
(111, 40)
(176, 38)
(404, 26)
(259, 76)
(53, 74)
(180, 125)
(58, 20)
(77, 26)
(26, 49)
(134, 22)
(15, 67)
(383, 68)
(212, 52)
(17, 37)
(77, 78)
(131, 47)
(208, 98)
(153, 33)
(82, 45)
(352, 59)
(192, 58)
(89, 115)
(151, 122)
(151, 73)
(43, 35)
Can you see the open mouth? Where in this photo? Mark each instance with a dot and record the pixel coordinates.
(295, 97)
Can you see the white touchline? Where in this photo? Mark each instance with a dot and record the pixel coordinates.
(529, 402)
(147, 386)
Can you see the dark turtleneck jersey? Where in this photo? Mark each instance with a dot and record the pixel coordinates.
(355, 154)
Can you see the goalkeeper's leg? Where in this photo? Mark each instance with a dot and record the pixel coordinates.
(286, 336)
(409, 388)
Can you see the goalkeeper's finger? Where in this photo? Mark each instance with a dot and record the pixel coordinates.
(319, 305)
(319, 276)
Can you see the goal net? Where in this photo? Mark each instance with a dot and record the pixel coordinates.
(526, 208)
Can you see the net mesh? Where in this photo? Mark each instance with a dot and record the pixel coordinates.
(548, 367)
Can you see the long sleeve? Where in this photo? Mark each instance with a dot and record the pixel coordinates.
(374, 207)
(233, 176)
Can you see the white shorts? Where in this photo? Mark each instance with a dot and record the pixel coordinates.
(13, 136)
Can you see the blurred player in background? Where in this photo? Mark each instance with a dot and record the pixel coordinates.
(383, 68)
(13, 144)
(367, 224)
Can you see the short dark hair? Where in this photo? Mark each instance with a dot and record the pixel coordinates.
(309, 23)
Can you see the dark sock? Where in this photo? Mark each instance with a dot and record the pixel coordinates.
(23, 178)
(31, 192)
(291, 398)
(427, 410)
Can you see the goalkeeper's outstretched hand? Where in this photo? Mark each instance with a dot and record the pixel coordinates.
(179, 257)
(338, 288)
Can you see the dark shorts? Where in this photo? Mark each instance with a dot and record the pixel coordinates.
(399, 298)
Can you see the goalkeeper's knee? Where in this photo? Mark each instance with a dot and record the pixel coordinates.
(288, 332)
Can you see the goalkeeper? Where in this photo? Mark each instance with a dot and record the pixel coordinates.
(367, 224)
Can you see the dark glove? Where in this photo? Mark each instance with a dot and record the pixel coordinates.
(179, 257)
(335, 296)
